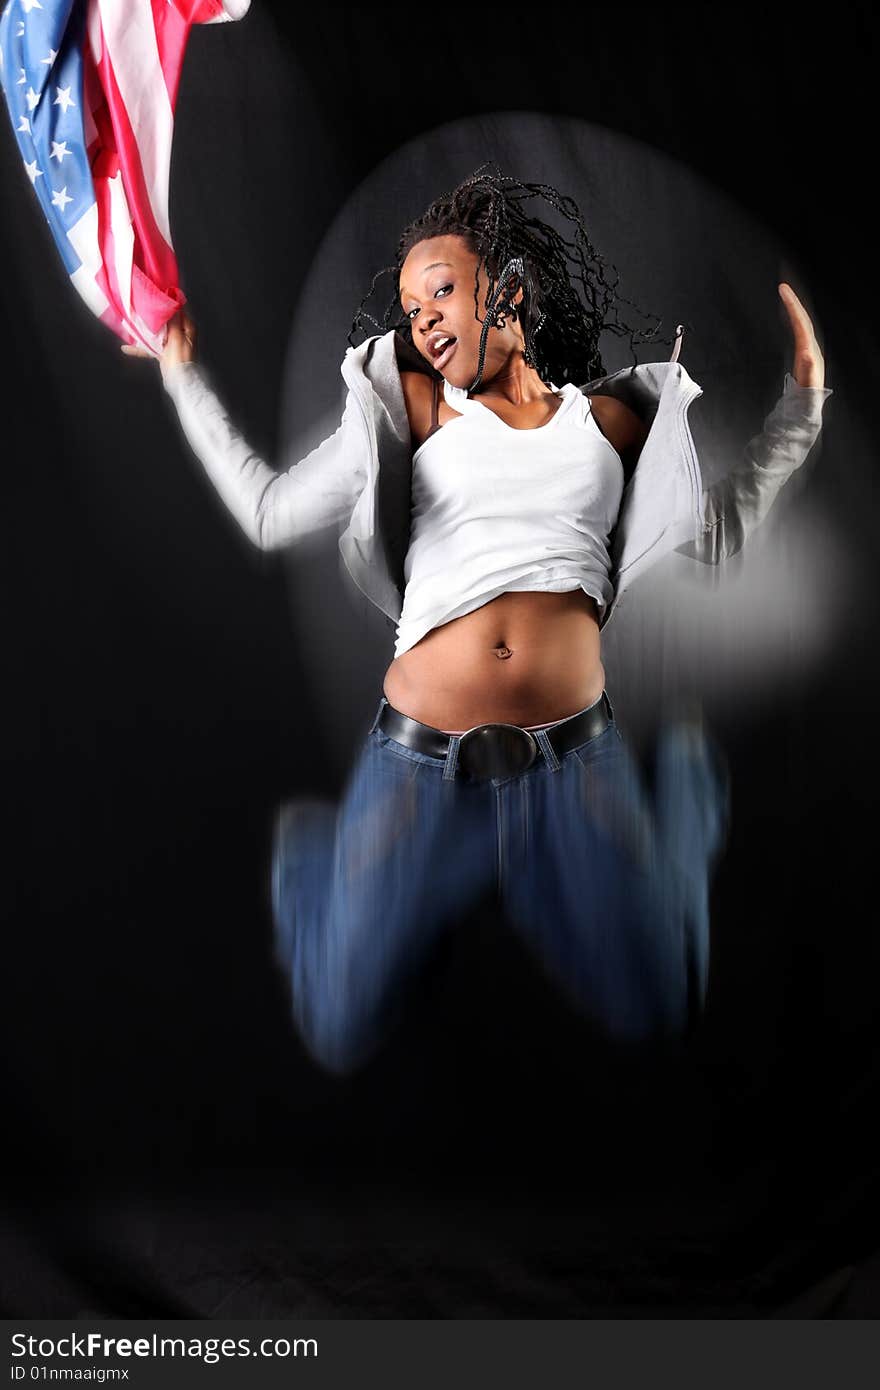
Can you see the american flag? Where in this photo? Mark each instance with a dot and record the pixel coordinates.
(91, 87)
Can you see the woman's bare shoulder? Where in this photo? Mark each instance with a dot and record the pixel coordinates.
(625, 431)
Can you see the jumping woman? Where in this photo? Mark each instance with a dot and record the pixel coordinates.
(497, 494)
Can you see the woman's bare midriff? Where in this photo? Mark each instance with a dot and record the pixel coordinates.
(522, 658)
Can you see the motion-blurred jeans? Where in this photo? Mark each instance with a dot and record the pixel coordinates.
(609, 889)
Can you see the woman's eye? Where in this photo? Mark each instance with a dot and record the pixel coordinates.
(443, 290)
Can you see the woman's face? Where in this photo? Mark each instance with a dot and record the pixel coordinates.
(437, 295)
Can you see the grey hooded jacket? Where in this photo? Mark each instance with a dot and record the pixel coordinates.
(360, 476)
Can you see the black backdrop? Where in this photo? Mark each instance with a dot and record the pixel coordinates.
(169, 1146)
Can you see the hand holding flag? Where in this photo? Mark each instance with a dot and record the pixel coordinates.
(180, 343)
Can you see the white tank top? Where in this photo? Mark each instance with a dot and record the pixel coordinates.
(498, 510)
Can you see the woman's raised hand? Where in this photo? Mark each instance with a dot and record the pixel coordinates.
(180, 343)
(809, 364)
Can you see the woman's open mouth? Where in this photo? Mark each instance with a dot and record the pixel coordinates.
(445, 354)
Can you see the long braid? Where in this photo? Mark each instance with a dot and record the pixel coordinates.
(561, 328)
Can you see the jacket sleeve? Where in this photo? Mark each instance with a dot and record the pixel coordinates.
(737, 503)
(272, 508)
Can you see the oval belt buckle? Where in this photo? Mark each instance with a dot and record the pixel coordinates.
(496, 750)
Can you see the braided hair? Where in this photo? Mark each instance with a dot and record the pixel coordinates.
(561, 328)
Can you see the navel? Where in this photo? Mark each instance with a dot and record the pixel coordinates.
(502, 651)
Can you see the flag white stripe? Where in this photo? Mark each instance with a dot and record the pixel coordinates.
(123, 240)
(130, 36)
(123, 256)
(93, 30)
(83, 237)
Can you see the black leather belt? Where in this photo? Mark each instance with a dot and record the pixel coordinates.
(496, 750)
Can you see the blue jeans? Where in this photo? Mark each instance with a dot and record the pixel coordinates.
(609, 889)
